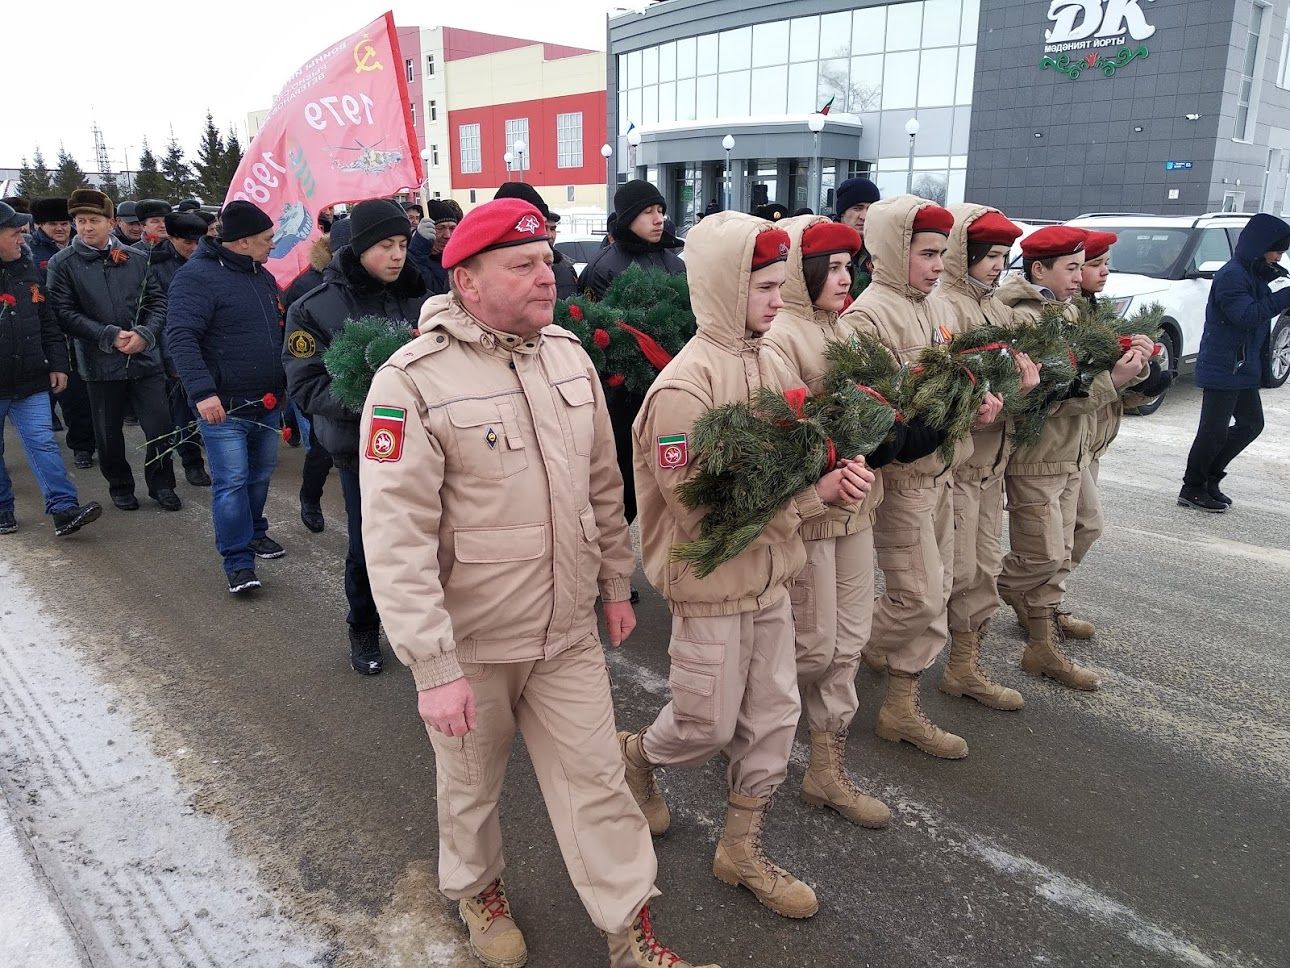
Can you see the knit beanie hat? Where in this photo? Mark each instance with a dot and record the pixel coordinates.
(341, 231)
(376, 219)
(633, 198)
(530, 194)
(87, 201)
(856, 191)
(241, 219)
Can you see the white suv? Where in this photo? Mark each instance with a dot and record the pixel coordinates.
(1172, 261)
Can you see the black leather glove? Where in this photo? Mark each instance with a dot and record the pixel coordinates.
(889, 448)
(920, 440)
(1156, 383)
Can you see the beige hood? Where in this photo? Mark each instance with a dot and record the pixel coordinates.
(956, 259)
(796, 299)
(888, 233)
(719, 293)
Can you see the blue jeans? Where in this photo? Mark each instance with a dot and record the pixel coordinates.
(242, 453)
(32, 419)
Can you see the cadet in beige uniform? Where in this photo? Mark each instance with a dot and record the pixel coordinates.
(733, 677)
(1043, 479)
(832, 596)
(492, 515)
(977, 254)
(914, 529)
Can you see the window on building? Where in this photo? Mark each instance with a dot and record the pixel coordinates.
(472, 196)
(434, 156)
(429, 65)
(570, 193)
(436, 194)
(432, 111)
(1244, 106)
(1283, 68)
(517, 129)
(568, 140)
(412, 107)
(407, 66)
(468, 137)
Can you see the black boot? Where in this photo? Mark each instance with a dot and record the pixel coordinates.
(72, 520)
(1195, 497)
(311, 516)
(365, 652)
(1215, 493)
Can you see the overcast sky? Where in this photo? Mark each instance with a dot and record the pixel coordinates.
(137, 67)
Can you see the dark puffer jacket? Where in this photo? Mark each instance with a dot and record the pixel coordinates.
(566, 279)
(421, 254)
(31, 344)
(312, 277)
(1241, 307)
(313, 321)
(224, 327)
(163, 260)
(95, 297)
(627, 250)
(43, 248)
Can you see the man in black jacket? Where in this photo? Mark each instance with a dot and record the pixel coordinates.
(129, 229)
(425, 251)
(369, 277)
(225, 338)
(105, 297)
(33, 361)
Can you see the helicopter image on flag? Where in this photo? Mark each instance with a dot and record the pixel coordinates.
(370, 159)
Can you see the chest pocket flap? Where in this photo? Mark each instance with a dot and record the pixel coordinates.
(578, 399)
(488, 437)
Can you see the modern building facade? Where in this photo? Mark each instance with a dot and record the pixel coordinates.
(1045, 108)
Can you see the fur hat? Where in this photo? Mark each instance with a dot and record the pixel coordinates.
(440, 210)
(188, 205)
(49, 210)
(19, 204)
(185, 225)
(151, 208)
(87, 201)
(375, 219)
(240, 219)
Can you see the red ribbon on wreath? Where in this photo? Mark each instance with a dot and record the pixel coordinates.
(653, 353)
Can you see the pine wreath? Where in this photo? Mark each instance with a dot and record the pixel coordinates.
(360, 349)
(754, 457)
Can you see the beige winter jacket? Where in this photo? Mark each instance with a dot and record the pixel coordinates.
(795, 349)
(496, 513)
(974, 305)
(903, 319)
(718, 366)
(1066, 443)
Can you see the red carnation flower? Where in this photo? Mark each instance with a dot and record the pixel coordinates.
(269, 401)
(616, 379)
(601, 339)
(1125, 343)
(286, 434)
(8, 299)
(44, 263)
(575, 312)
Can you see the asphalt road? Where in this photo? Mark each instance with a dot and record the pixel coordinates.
(1140, 825)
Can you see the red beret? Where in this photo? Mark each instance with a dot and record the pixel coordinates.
(829, 238)
(1099, 244)
(993, 228)
(1053, 241)
(933, 218)
(771, 247)
(494, 225)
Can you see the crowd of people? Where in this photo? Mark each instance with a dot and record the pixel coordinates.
(491, 477)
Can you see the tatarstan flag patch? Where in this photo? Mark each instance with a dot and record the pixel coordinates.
(673, 452)
(385, 435)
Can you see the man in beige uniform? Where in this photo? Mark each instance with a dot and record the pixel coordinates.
(492, 514)
(733, 674)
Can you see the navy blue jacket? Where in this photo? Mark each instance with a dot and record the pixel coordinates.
(421, 255)
(31, 344)
(1241, 307)
(224, 327)
(43, 248)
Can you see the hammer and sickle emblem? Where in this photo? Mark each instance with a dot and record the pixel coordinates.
(365, 57)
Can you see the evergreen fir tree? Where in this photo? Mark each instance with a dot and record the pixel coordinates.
(210, 164)
(109, 187)
(179, 177)
(68, 176)
(33, 179)
(232, 159)
(149, 182)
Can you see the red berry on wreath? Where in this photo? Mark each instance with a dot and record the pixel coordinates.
(575, 312)
(616, 380)
(600, 338)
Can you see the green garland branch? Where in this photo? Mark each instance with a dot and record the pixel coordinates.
(360, 349)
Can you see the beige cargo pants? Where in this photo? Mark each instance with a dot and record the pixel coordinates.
(832, 600)
(1088, 514)
(734, 688)
(913, 539)
(563, 708)
(978, 550)
(1041, 531)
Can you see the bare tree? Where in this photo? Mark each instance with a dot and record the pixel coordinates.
(856, 98)
(934, 188)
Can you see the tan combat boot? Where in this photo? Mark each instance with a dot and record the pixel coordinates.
(1075, 628)
(826, 783)
(638, 948)
(963, 675)
(640, 780)
(901, 717)
(1044, 655)
(495, 938)
(739, 861)
(876, 661)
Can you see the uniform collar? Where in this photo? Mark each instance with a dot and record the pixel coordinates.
(463, 326)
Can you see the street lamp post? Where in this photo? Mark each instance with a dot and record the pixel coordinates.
(911, 129)
(634, 140)
(728, 142)
(508, 158)
(815, 184)
(519, 148)
(607, 153)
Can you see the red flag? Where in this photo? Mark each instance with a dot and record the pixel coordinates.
(339, 130)
(828, 107)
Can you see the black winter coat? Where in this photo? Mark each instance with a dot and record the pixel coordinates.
(430, 266)
(566, 280)
(224, 327)
(31, 344)
(611, 261)
(320, 255)
(43, 248)
(313, 321)
(163, 260)
(94, 298)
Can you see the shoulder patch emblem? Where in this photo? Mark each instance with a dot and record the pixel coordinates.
(673, 452)
(301, 345)
(385, 435)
